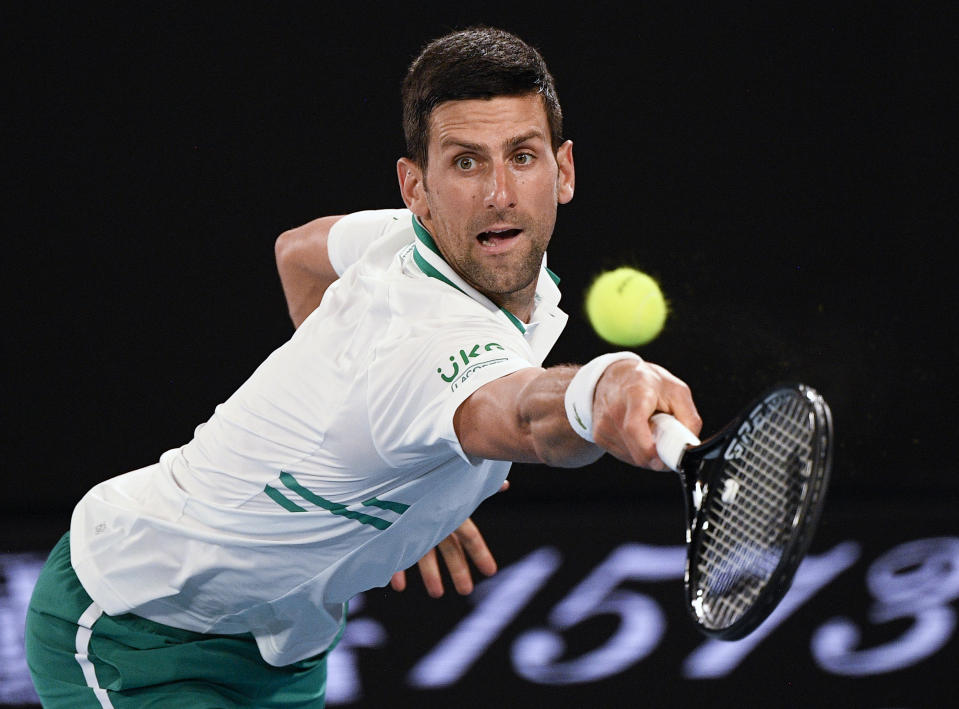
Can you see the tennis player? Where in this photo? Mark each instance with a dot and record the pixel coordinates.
(219, 576)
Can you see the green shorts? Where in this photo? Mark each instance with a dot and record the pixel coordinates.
(81, 657)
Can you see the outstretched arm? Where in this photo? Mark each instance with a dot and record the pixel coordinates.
(522, 417)
(304, 265)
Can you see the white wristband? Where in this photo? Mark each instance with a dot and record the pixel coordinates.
(579, 393)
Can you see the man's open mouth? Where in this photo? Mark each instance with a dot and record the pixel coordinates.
(496, 236)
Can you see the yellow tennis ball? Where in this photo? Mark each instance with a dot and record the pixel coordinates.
(626, 307)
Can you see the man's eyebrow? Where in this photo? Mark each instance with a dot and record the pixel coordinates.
(510, 144)
(520, 139)
(454, 143)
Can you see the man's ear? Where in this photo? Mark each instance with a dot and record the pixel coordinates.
(566, 179)
(412, 187)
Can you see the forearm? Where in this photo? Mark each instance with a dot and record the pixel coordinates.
(543, 412)
(521, 417)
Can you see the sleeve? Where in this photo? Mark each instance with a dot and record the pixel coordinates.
(416, 388)
(354, 233)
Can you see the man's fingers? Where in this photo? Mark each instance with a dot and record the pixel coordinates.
(465, 544)
(430, 571)
(685, 411)
(472, 541)
(677, 399)
(640, 441)
(627, 396)
(455, 559)
(398, 581)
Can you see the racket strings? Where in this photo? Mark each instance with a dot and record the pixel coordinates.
(747, 521)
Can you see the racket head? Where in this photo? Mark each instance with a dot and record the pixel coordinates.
(754, 493)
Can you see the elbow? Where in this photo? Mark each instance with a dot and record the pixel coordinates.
(282, 249)
(285, 252)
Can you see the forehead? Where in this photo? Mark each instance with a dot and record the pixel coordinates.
(488, 121)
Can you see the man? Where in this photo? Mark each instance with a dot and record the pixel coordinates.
(220, 575)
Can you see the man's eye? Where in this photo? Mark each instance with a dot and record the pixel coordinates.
(465, 163)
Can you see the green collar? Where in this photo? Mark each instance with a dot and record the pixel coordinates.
(431, 261)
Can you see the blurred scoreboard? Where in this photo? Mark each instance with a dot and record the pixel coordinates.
(588, 609)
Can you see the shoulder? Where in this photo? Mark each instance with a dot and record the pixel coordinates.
(372, 221)
(351, 236)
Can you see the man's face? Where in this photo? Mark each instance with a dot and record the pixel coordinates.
(490, 192)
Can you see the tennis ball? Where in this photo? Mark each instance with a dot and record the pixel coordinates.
(626, 307)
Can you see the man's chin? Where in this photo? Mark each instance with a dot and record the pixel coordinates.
(503, 284)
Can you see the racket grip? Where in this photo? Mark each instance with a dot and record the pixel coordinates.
(671, 438)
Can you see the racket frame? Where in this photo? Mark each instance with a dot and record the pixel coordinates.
(698, 472)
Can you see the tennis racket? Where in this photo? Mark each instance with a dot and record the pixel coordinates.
(753, 493)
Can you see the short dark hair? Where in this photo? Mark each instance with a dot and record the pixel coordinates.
(477, 62)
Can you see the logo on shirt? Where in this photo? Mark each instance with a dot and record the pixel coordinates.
(458, 376)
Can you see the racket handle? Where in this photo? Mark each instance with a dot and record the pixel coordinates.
(671, 438)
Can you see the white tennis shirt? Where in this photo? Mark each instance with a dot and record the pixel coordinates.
(333, 466)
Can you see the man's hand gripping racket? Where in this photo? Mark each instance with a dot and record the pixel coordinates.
(753, 493)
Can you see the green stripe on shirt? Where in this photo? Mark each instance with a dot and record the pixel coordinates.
(397, 507)
(281, 500)
(333, 507)
(336, 508)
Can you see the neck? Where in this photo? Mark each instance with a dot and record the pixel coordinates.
(519, 304)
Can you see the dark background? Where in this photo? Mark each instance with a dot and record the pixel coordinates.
(786, 174)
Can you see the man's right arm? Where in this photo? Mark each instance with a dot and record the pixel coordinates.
(522, 417)
(303, 262)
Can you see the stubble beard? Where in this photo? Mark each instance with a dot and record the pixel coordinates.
(516, 270)
(508, 278)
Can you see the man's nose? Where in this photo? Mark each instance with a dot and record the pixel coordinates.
(501, 192)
